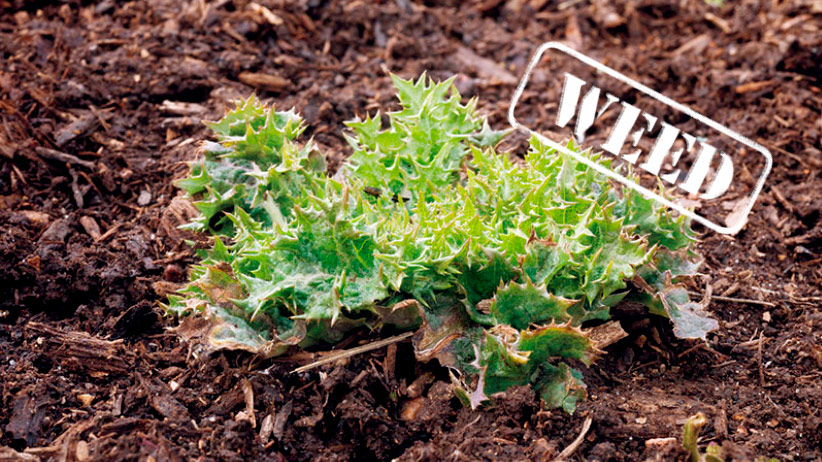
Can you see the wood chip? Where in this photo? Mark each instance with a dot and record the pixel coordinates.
(57, 231)
(695, 46)
(390, 363)
(80, 127)
(181, 108)
(573, 33)
(75, 189)
(794, 22)
(282, 417)
(266, 428)
(267, 82)
(411, 408)
(248, 394)
(485, 68)
(607, 334)
(81, 352)
(267, 14)
(26, 411)
(110, 232)
(417, 387)
(718, 22)
(738, 213)
(21, 17)
(35, 217)
(160, 399)
(8, 454)
(91, 227)
(777, 194)
(753, 86)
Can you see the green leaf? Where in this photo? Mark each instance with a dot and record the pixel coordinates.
(560, 387)
(502, 364)
(509, 358)
(520, 305)
(543, 260)
(560, 341)
(487, 137)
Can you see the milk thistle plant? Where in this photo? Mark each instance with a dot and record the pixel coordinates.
(426, 227)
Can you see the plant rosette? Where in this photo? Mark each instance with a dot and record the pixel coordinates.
(498, 265)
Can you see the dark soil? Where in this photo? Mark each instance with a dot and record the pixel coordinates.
(101, 102)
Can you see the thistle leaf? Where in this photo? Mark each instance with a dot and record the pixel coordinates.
(560, 387)
(520, 305)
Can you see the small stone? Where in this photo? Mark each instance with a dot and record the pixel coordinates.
(91, 227)
(144, 198)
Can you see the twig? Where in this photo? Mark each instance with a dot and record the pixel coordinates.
(568, 4)
(759, 359)
(726, 363)
(60, 156)
(353, 352)
(75, 189)
(805, 162)
(809, 376)
(642, 366)
(748, 301)
(791, 298)
(108, 233)
(706, 347)
(781, 199)
(750, 343)
(248, 395)
(566, 453)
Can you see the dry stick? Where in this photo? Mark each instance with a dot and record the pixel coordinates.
(759, 359)
(60, 156)
(353, 352)
(749, 301)
(108, 233)
(75, 189)
(791, 298)
(805, 162)
(566, 453)
(777, 194)
(706, 347)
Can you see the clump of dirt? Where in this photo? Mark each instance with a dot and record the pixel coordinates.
(103, 102)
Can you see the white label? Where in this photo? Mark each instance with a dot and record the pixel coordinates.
(631, 126)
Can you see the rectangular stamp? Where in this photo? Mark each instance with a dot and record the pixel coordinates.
(712, 174)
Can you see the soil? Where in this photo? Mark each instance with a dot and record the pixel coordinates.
(102, 103)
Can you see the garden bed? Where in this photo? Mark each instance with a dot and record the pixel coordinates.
(102, 103)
